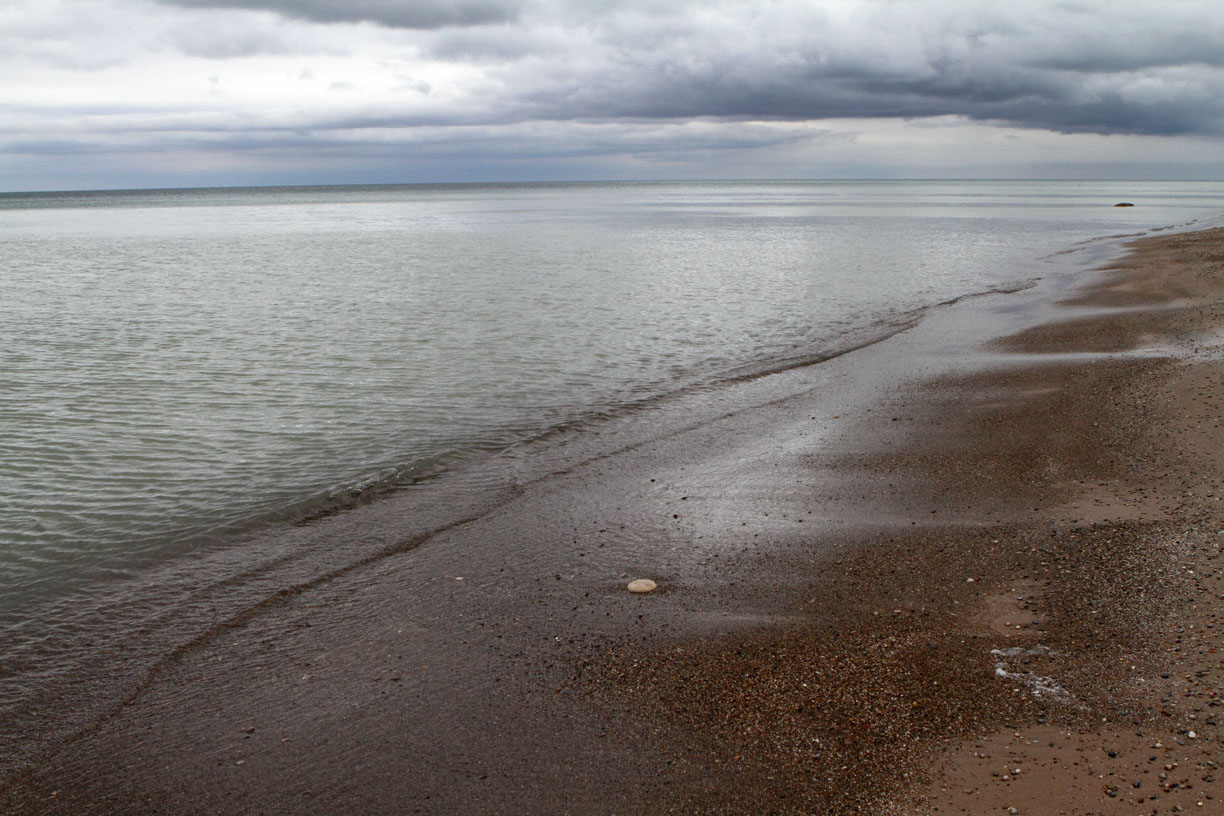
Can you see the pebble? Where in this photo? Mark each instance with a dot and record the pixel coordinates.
(642, 585)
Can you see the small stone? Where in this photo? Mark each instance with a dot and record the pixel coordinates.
(642, 586)
(1191, 735)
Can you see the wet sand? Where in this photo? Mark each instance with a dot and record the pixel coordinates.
(1140, 652)
(885, 582)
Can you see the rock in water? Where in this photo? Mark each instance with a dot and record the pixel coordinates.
(1124, 204)
(642, 585)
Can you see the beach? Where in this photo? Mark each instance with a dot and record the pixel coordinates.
(887, 581)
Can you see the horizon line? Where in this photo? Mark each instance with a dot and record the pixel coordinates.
(577, 182)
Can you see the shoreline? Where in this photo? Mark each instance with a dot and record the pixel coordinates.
(828, 533)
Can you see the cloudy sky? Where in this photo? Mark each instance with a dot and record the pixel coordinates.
(139, 93)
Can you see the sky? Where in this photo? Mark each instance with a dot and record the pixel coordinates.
(103, 94)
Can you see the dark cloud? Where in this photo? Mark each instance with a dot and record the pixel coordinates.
(1063, 71)
(412, 14)
(1147, 103)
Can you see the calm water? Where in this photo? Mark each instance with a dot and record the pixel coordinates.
(179, 365)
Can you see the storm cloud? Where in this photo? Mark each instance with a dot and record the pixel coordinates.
(1059, 67)
(620, 78)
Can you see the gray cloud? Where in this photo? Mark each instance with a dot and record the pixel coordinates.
(1055, 67)
(412, 14)
(1152, 102)
(574, 80)
(1087, 67)
(234, 39)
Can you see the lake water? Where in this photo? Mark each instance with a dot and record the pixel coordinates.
(176, 366)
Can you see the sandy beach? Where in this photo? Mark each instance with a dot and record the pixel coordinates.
(972, 568)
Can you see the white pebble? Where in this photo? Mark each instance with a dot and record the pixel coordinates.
(642, 585)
